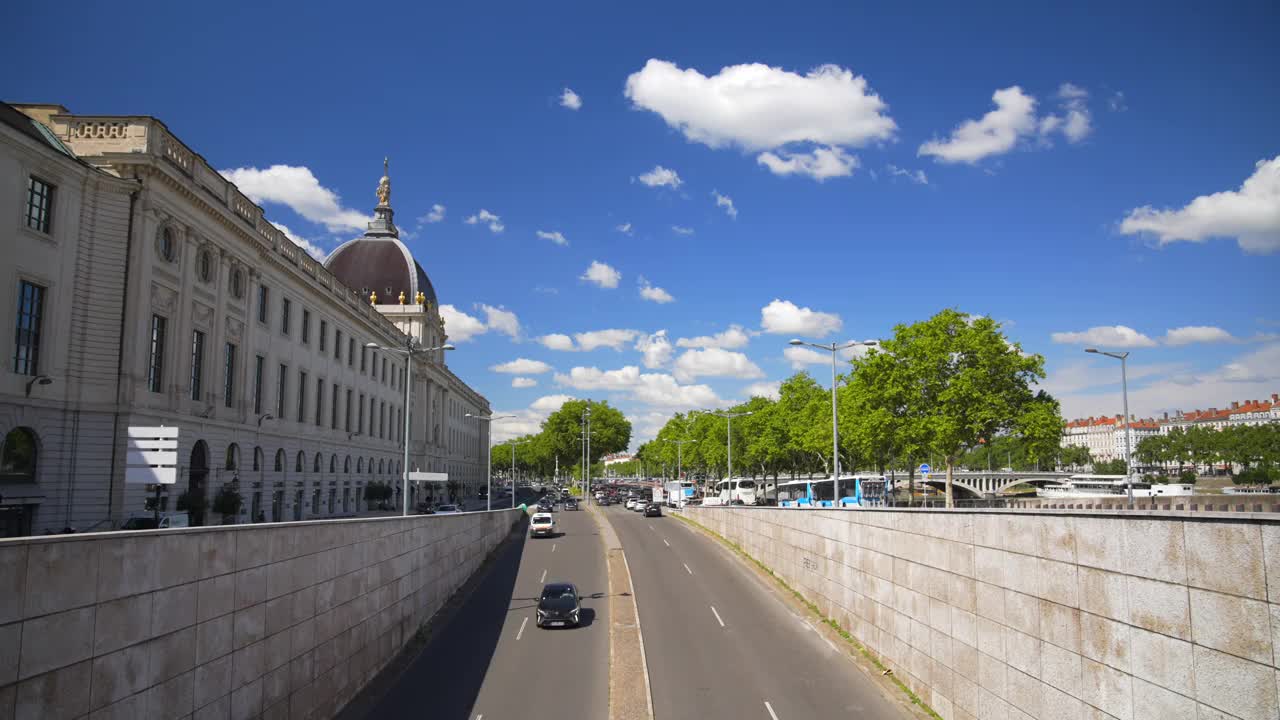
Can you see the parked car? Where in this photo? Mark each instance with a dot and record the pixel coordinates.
(148, 521)
(447, 509)
(653, 510)
(425, 508)
(559, 606)
(542, 525)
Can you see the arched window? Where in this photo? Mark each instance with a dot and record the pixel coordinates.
(315, 466)
(379, 467)
(333, 463)
(298, 461)
(280, 460)
(399, 471)
(257, 458)
(233, 457)
(346, 465)
(370, 466)
(18, 456)
(359, 465)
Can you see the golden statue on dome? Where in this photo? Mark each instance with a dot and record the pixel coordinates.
(421, 297)
(401, 297)
(384, 185)
(373, 297)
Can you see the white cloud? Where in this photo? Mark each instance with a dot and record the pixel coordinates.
(1107, 336)
(1077, 126)
(656, 348)
(557, 341)
(995, 134)
(757, 107)
(526, 421)
(822, 163)
(725, 202)
(484, 217)
(654, 389)
(1197, 334)
(522, 366)
(459, 326)
(681, 230)
(734, 337)
(1116, 102)
(783, 317)
(593, 378)
(601, 275)
(625, 229)
(612, 338)
(570, 99)
(300, 191)
(645, 426)
(715, 362)
(654, 294)
(1251, 215)
(916, 176)
(661, 177)
(550, 403)
(311, 248)
(523, 382)
(435, 216)
(501, 320)
(770, 390)
(799, 357)
(556, 237)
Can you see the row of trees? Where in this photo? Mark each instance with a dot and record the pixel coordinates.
(558, 443)
(939, 388)
(1255, 449)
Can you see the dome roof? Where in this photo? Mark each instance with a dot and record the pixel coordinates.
(378, 261)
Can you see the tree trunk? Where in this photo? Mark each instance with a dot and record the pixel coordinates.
(950, 465)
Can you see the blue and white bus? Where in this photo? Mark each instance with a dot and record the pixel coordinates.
(860, 490)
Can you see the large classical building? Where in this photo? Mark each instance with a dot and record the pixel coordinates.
(144, 289)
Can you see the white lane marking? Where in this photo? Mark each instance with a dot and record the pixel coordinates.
(553, 547)
(651, 527)
(664, 540)
(479, 717)
(686, 567)
(524, 622)
(713, 610)
(767, 706)
(544, 577)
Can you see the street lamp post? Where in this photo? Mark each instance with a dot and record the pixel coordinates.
(680, 463)
(488, 463)
(513, 443)
(1128, 429)
(833, 348)
(728, 416)
(408, 353)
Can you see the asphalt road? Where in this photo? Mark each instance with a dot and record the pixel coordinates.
(490, 662)
(720, 645)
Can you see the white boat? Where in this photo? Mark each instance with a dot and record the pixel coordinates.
(1252, 490)
(1102, 486)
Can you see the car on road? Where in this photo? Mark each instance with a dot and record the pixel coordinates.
(631, 503)
(542, 525)
(640, 506)
(570, 504)
(559, 606)
(653, 510)
(545, 506)
(447, 509)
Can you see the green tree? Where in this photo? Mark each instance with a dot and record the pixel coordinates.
(956, 378)
(1075, 456)
(1110, 467)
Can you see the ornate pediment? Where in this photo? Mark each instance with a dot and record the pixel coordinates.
(163, 299)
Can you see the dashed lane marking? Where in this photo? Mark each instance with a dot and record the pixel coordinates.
(544, 577)
(686, 568)
(713, 610)
(525, 621)
(769, 707)
(664, 540)
(553, 547)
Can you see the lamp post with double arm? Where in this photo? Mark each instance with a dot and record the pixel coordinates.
(488, 462)
(408, 352)
(1128, 430)
(834, 348)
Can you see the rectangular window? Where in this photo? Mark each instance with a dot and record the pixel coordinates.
(306, 326)
(39, 204)
(384, 371)
(348, 409)
(324, 332)
(280, 391)
(197, 364)
(264, 295)
(302, 395)
(319, 402)
(229, 375)
(382, 420)
(351, 352)
(360, 421)
(333, 408)
(155, 358)
(373, 413)
(286, 309)
(26, 354)
(259, 370)
(337, 344)
(364, 352)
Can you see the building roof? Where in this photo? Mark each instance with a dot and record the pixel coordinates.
(31, 127)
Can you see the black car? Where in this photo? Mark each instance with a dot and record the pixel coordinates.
(559, 606)
(653, 510)
(570, 504)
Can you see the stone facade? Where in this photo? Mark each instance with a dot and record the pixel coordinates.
(1021, 614)
(269, 621)
(144, 228)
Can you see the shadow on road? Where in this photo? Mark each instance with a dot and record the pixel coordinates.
(444, 679)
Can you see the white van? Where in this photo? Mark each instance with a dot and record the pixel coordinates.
(149, 522)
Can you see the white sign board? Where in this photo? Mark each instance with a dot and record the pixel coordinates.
(152, 456)
(428, 477)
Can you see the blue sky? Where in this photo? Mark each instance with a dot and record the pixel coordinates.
(882, 164)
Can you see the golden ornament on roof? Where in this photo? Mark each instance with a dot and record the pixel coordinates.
(421, 297)
(401, 297)
(373, 297)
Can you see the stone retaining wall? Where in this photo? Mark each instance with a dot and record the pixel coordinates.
(284, 620)
(1043, 614)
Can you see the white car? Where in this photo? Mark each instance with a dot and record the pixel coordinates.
(631, 503)
(447, 509)
(542, 525)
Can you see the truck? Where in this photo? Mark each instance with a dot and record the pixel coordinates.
(658, 494)
(680, 492)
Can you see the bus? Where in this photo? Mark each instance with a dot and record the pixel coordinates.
(860, 490)
(681, 493)
(735, 491)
